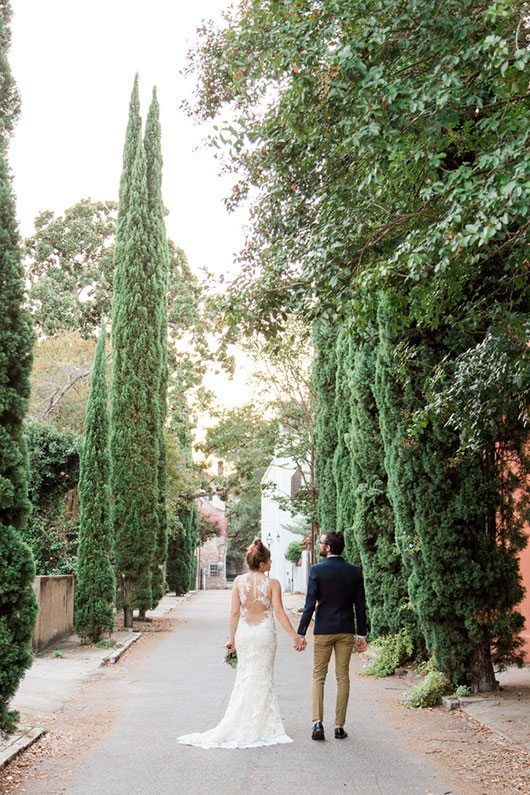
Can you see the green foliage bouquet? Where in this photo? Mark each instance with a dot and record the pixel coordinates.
(231, 658)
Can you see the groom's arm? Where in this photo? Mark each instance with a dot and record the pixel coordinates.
(310, 602)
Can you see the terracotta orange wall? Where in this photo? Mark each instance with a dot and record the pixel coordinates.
(525, 604)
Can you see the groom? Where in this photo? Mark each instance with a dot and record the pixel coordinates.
(335, 587)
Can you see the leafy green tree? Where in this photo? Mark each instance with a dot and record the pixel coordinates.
(387, 149)
(284, 380)
(17, 601)
(70, 268)
(388, 144)
(244, 439)
(135, 381)
(52, 527)
(95, 591)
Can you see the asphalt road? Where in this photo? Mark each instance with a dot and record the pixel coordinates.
(184, 687)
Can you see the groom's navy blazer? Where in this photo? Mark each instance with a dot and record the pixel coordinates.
(335, 587)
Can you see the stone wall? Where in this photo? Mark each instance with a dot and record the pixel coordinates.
(55, 620)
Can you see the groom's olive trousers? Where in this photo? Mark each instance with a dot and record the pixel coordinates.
(323, 645)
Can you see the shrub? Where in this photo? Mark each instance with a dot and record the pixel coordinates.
(293, 552)
(428, 692)
(391, 652)
(462, 691)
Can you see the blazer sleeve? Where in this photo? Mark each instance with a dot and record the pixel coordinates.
(360, 607)
(310, 602)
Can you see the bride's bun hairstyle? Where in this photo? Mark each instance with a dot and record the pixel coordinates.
(257, 553)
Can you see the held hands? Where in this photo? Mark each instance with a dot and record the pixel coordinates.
(299, 643)
(361, 645)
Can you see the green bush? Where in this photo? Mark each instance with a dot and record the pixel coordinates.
(391, 652)
(293, 552)
(428, 692)
(424, 667)
(52, 530)
(462, 691)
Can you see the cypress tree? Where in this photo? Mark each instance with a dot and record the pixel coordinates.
(95, 589)
(153, 153)
(182, 561)
(463, 581)
(17, 601)
(177, 569)
(324, 385)
(184, 539)
(342, 461)
(135, 384)
(373, 522)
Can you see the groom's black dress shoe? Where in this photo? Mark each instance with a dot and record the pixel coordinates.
(318, 731)
(340, 734)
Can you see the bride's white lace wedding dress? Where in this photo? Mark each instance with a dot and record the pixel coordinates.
(252, 717)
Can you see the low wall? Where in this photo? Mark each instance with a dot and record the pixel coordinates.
(55, 620)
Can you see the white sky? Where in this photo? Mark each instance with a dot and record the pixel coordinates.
(74, 63)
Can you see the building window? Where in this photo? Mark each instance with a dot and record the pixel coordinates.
(296, 483)
(214, 569)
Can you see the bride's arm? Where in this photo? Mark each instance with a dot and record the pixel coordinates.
(234, 617)
(281, 615)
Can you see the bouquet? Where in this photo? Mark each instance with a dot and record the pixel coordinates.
(231, 658)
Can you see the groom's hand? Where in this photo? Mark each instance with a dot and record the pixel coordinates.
(361, 645)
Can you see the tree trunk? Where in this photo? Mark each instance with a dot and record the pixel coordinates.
(481, 670)
(127, 605)
(141, 614)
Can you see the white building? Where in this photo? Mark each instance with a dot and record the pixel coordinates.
(277, 524)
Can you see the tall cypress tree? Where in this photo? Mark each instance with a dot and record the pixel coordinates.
(135, 384)
(342, 461)
(184, 537)
(463, 581)
(95, 590)
(17, 601)
(181, 560)
(153, 154)
(324, 385)
(373, 523)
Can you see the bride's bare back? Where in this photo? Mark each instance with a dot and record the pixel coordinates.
(254, 597)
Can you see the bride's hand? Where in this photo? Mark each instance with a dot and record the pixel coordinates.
(231, 645)
(299, 643)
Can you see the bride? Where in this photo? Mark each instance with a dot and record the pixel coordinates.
(252, 717)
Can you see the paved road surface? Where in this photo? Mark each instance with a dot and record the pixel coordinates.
(184, 687)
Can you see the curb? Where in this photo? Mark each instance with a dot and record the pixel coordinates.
(113, 658)
(459, 703)
(18, 743)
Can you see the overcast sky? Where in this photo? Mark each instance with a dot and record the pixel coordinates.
(74, 63)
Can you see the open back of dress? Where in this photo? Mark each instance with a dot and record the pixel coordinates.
(254, 596)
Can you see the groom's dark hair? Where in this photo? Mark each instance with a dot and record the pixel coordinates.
(335, 541)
